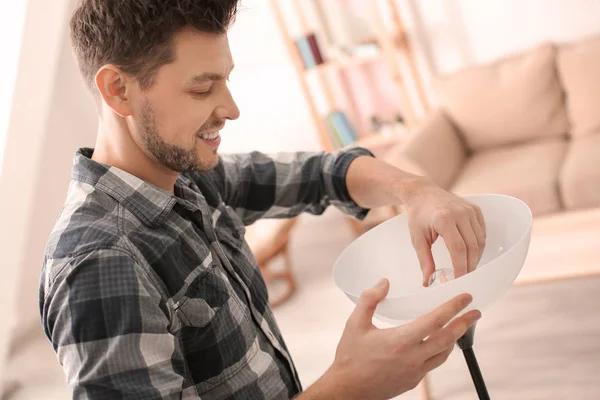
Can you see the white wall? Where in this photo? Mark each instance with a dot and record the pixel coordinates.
(72, 123)
(274, 114)
(27, 208)
(12, 15)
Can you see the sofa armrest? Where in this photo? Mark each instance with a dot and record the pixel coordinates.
(437, 150)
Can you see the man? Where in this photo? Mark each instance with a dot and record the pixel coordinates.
(149, 290)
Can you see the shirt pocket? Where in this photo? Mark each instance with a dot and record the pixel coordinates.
(203, 298)
(214, 329)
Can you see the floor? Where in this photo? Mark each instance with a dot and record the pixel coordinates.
(541, 351)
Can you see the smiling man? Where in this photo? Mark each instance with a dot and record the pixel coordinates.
(149, 290)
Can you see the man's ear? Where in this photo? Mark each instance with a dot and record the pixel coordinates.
(116, 89)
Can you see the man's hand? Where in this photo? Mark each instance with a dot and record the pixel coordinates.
(434, 212)
(372, 363)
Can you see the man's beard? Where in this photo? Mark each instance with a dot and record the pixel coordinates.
(171, 156)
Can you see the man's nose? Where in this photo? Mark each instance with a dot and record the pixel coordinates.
(228, 108)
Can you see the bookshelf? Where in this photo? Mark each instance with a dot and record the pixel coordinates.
(328, 70)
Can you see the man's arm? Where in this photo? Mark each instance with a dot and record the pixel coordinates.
(257, 185)
(374, 183)
(103, 318)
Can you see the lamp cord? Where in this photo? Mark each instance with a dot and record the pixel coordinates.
(476, 374)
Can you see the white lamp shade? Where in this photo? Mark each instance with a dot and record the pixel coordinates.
(386, 251)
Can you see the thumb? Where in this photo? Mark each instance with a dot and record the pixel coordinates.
(423, 249)
(362, 317)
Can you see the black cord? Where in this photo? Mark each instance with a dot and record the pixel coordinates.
(476, 374)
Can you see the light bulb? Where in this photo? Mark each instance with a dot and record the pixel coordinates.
(441, 276)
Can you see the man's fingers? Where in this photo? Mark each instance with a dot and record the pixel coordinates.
(438, 318)
(480, 233)
(456, 246)
(362, 317)
(423, 248)
(471, 242)
(437, 360)
(438, 342)
(481, 221)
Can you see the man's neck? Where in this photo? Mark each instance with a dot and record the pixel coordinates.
(115, 147)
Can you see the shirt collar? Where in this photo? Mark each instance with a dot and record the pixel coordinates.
(148, 203)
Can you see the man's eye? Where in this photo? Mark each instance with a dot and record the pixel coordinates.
(201, 94)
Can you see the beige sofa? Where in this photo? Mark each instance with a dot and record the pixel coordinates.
(527, 126)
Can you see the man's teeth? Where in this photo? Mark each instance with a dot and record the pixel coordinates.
(210, 136)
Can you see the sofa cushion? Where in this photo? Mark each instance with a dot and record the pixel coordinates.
(436, 150)
(529, 172)
(579, 68)
(580, 175)
(513, 100)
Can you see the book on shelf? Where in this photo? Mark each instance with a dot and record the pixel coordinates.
(341, 130)
(305, 52)
(314, 47)
(310, 51)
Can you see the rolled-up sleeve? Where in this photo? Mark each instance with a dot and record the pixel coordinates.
(284, 185)
(104, 319)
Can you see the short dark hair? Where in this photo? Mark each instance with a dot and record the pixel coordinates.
(136, 35)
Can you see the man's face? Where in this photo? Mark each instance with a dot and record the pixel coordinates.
(179, 117)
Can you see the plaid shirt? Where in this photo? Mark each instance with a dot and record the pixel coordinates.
(149, 295)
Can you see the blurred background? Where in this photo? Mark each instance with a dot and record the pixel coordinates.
(493, 96)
